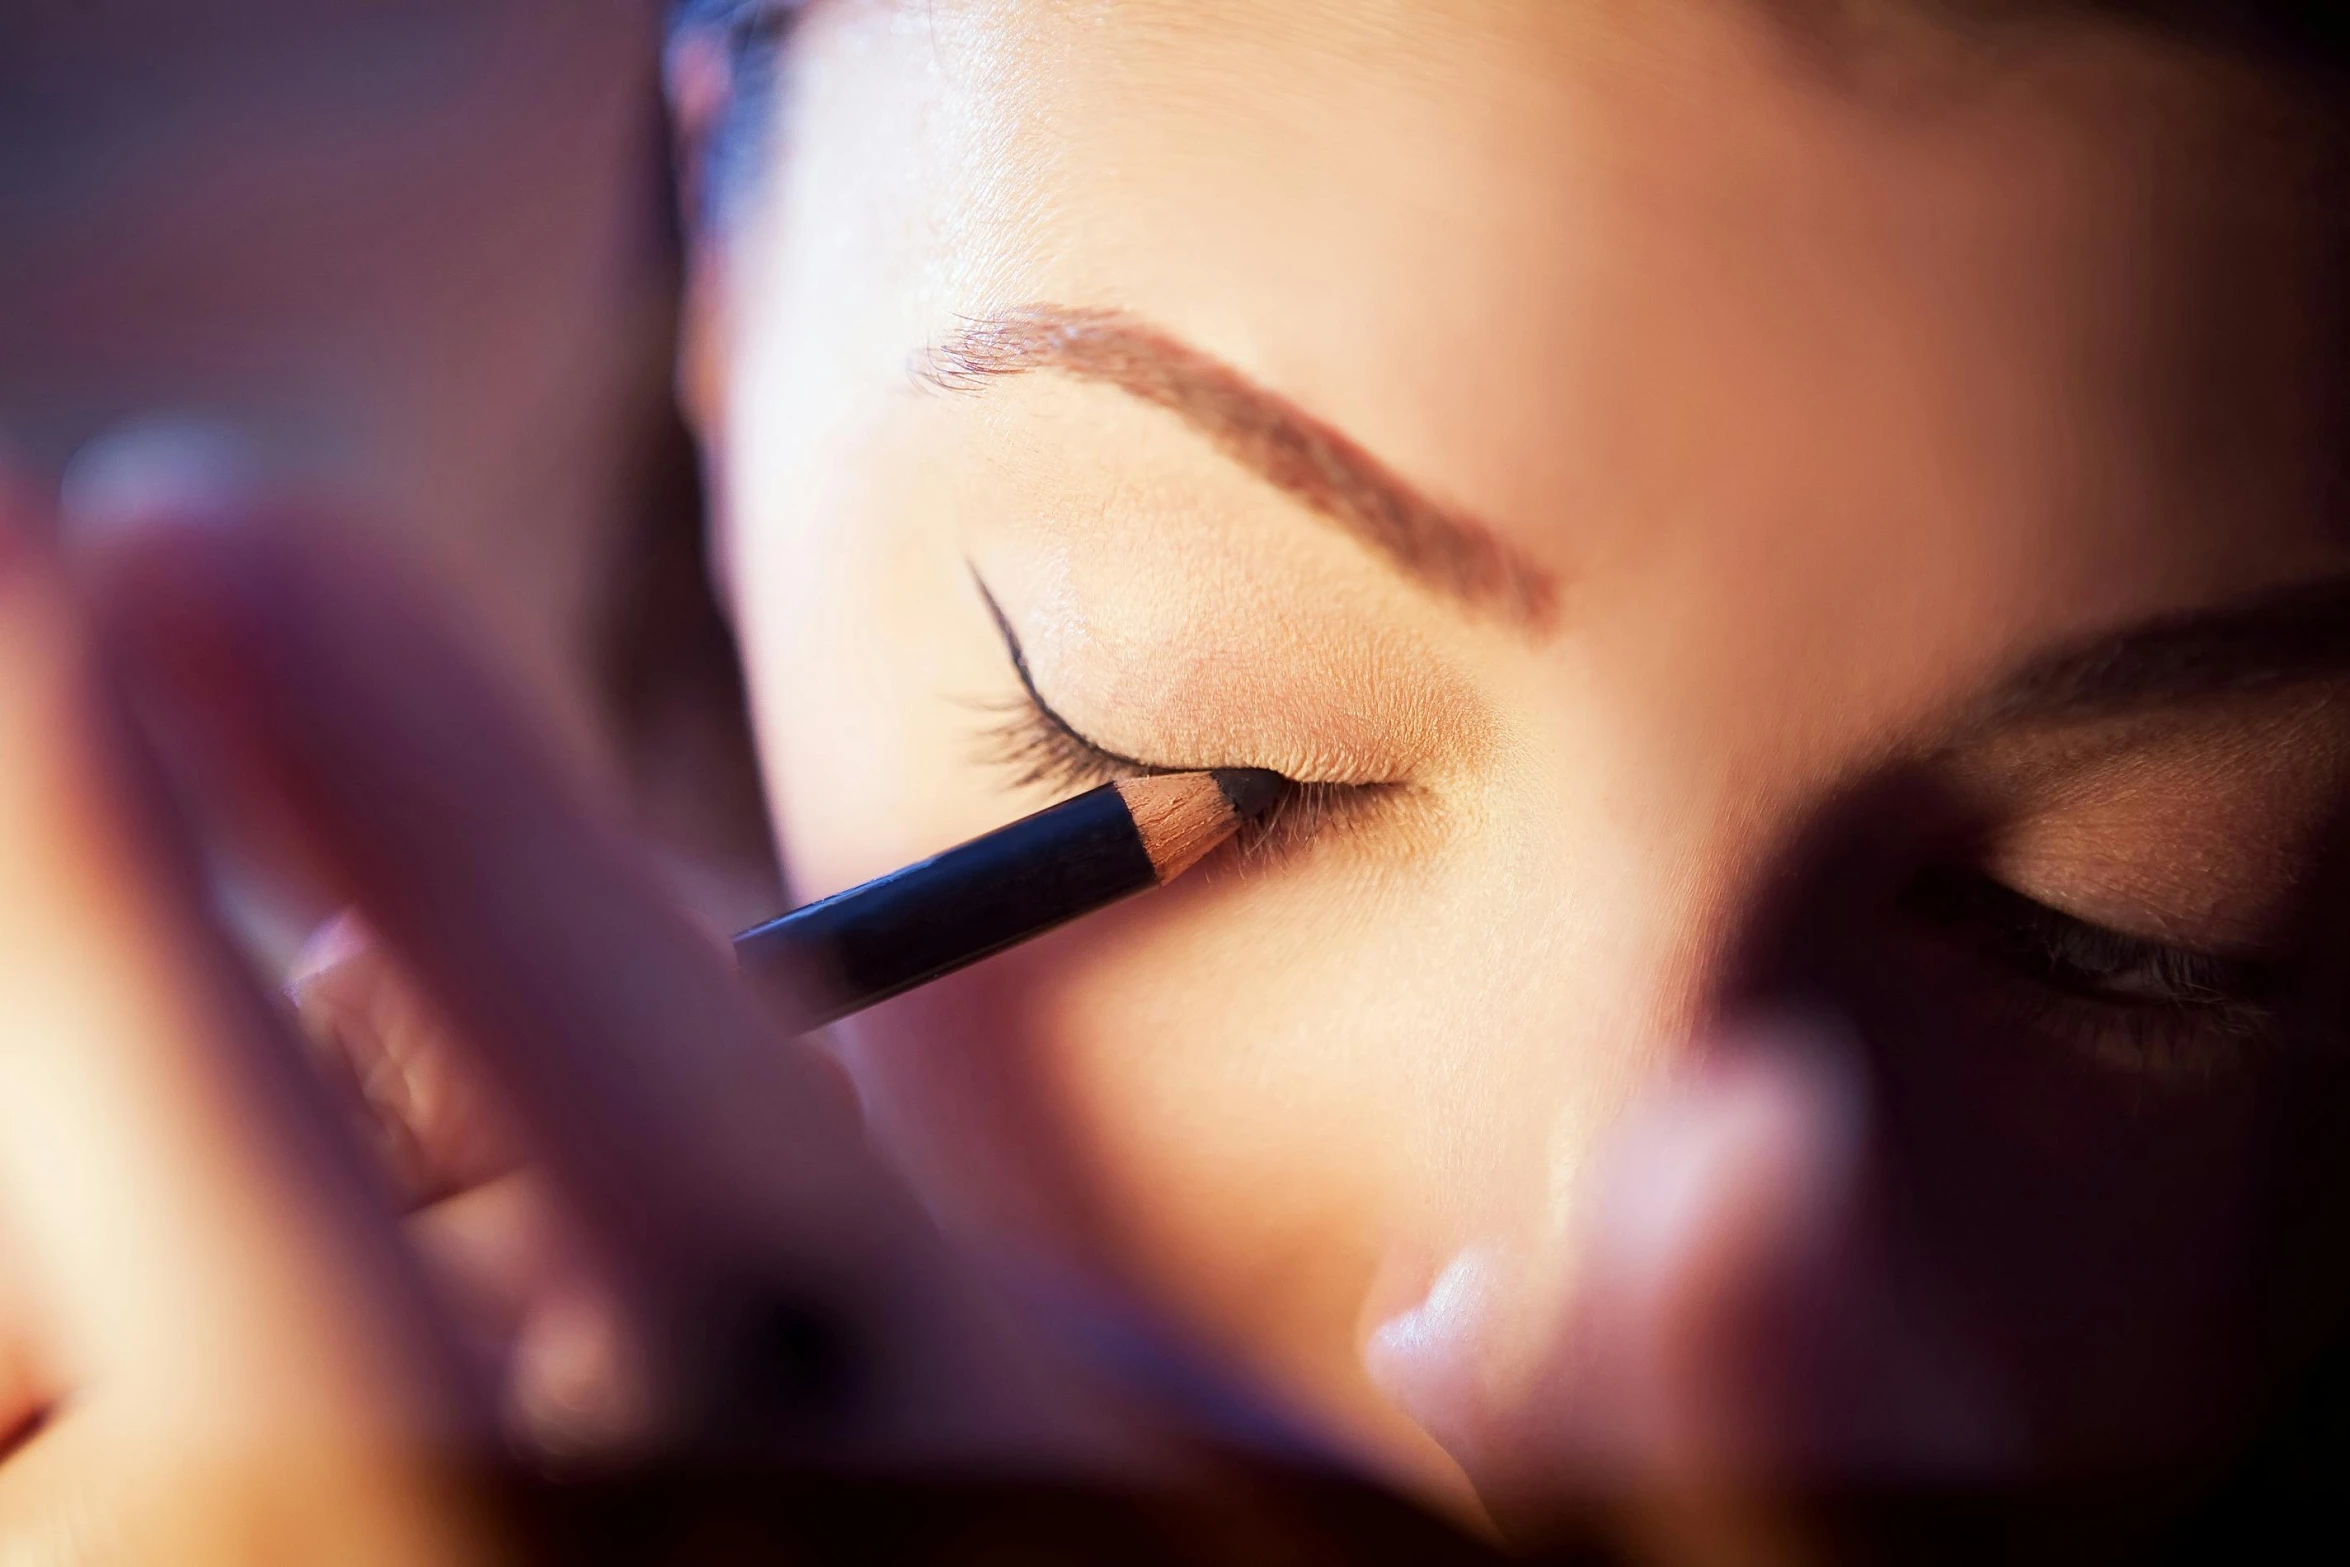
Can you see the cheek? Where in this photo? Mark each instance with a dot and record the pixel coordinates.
(1246, 1100)
(1252, 1095)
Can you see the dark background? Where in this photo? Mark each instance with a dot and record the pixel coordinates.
(424, 249)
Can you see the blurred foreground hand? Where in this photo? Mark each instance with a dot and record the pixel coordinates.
(222, 1346)
(1730, 1358)
(610, 1224)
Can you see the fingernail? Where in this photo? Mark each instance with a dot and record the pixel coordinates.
(1778, 1119)
(580, 1388)
(1443, 1320)
(336, 941)
(1435, 1361)
(168, 472)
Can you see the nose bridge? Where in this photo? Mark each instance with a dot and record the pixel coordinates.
(1715, 822)
(1675, 901)
(1701, 784)
(1739, 876)
(1687, 839)
(1610, 922)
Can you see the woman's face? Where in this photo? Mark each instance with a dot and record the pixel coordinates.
(1733, 515)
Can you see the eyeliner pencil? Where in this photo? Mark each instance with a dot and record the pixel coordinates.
(935, 916)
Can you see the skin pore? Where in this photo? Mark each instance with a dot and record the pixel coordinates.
(1735, 516)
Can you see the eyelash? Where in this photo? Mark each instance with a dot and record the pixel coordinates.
(1039, 749)
(2151, 1006)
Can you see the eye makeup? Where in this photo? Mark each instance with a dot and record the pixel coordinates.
(903, 930)
(1037, 748)
(2156, 1006)
(2148, 892)
(2141, 1005)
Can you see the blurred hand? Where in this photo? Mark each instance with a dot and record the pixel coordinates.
(1729, 1354)
(638, 1224)
(221, 1352)
(224, 1348)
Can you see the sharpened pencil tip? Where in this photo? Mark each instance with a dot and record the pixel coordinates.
(1250, 791)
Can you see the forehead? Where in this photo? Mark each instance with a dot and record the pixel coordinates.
(1632, 277)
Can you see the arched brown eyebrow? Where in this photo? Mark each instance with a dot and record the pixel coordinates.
(1439, 546)
(2270, 641)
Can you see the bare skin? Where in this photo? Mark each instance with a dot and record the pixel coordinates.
(223, 1347)
(1805, 575)
(1846, 390)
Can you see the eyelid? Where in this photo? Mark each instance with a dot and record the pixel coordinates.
(1191, 662)
(2154, 1011)
(1044, 709)
(1045, 748)
(1134, 765)
(2029, 935)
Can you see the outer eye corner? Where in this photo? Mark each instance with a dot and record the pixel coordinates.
(1022, 740)
(1037, 747)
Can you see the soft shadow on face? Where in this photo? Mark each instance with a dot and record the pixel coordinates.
(2148, 1264)
(1822, 414)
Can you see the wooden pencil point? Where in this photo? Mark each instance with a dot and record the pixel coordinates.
(849, 951)
(1182, 817)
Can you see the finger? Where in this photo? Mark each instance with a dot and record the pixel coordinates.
(618, 1038)
(694, 1149)
(434, 1124)
(786, 1282)
(1724, 1207)
(1740, 1338)
(199, 1244)
(547, 1327)
(1777, 1332)
(542, 1321)
(487, 1251)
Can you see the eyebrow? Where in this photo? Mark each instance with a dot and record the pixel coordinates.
(2271, 641)
(1439, 546)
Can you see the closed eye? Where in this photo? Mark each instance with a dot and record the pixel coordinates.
(1040, 749)
(1037, 743)
(2146, 1006)
(2070, 954)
